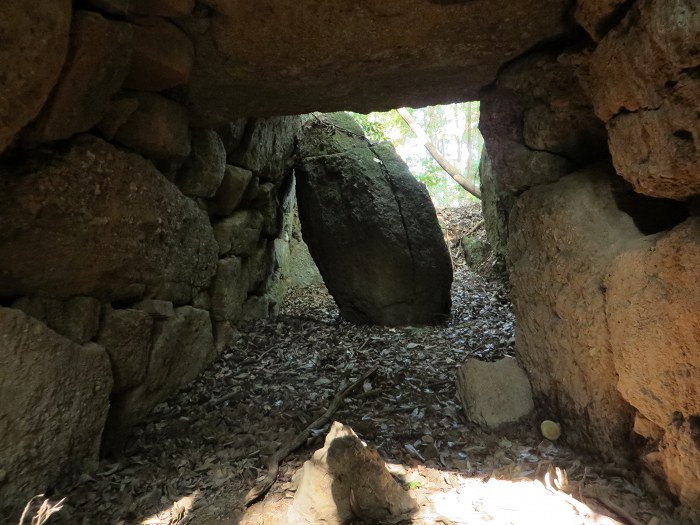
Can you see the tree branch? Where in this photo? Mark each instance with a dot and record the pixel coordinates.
(450, 169)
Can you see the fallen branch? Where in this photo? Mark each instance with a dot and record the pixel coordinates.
(273, 463)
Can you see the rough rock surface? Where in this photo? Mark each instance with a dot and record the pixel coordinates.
(262, 59)
(371, 227)
(563, 239)
(97, 63)
(643, 80)
(169, 8)
(653, 296)
(494, 393)
(54, 396)
(153, 125)
(229, 290)
(538, 123)
(126, 335)
(66, 205)
(346, 480)
(266, 146)
(267, 203)
(162, 56)
(599, 16)
(257, 266)
(35, 42)
(230, 193)
(496, 204)
(301, 270)
(231, 134)
(658, 151)
(183, 345)
(203, 171)
(77, 318)
(239, 233)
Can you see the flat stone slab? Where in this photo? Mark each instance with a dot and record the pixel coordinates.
(493, 394)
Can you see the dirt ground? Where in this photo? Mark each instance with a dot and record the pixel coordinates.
(200, 452)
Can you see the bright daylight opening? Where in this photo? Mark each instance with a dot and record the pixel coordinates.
(450, 133)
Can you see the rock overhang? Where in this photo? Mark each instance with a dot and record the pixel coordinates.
(276, 57)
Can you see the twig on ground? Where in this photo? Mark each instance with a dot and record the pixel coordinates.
(273, 463)
(474, 228)
(221, 399)
(259, 358)
(372, 393)
(606, 502)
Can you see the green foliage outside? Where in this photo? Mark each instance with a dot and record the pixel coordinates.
(451, 128)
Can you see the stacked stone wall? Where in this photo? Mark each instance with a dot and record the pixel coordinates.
(133, 239)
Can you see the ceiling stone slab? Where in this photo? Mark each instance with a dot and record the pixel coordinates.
(274, 57)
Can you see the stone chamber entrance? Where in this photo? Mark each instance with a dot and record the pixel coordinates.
(166, 356)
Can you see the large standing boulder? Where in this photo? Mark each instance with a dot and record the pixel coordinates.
(54, 396)
(371, 227)
(97, 221)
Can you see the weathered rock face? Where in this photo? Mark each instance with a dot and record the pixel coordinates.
(97, 63)
(77, 318)
(643, 80)
(35, 43)
(496, 203)
(493, 394)
(300, 269)
(162, 56)
(652, 301)
(266, 146)
(599, 16)
(586, 351)
(182, 346)
(126, 336)
(202, 173)
(346, 480)
(54, 396)
(66, 205)
(371, 227)
(563, 239)
(150, 124)
(260, 58)
(538, 124)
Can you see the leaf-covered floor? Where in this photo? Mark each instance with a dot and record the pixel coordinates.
(202, 450)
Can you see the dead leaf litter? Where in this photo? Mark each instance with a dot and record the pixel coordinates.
(201, 451)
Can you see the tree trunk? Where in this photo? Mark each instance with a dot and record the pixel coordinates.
(451, 170)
